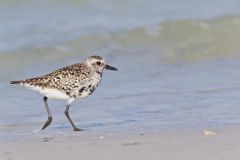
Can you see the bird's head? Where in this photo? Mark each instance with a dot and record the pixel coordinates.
(99, 64)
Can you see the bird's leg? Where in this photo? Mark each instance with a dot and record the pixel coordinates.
(69, 119)
(48, 122)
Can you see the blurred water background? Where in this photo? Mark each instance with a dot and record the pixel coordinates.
(178, 64)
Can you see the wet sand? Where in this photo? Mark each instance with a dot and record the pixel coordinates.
(188, 145)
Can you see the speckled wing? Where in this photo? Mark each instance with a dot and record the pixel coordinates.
(69, 77)
(66, 78)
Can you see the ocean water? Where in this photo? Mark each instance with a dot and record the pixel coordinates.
(178, 64)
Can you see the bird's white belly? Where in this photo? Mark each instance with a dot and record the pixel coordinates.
(50, 93)
(53, 93)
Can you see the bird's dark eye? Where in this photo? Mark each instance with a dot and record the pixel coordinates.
(98, 63)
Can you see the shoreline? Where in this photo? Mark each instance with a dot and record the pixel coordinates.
(216, 144)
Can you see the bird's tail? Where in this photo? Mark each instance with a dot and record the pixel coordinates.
(17, 82)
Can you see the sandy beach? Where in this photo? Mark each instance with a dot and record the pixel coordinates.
(218, 145)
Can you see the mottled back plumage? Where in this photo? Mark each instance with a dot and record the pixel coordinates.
(69, 80)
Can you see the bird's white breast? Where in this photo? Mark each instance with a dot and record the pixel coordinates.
(96, 79)
(93, 82)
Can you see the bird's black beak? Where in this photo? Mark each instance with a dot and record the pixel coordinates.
(111, 68)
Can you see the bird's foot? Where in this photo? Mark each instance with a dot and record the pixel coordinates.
(47, 123)
(77, 129)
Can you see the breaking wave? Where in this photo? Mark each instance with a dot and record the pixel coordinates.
(181, 40)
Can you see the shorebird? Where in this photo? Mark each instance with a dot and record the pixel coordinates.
(68, 83)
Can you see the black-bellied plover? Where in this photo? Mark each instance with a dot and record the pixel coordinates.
(69, 83)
